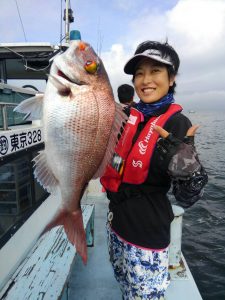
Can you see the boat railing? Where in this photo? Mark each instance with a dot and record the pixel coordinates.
(3, 107)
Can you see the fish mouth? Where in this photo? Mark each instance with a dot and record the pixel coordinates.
(63, 75)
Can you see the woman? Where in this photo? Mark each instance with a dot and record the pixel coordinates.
(142, 169)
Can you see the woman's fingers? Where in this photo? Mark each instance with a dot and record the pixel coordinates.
(192, 130)
(162, 132)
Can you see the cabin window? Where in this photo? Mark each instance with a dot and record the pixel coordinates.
(8, 101)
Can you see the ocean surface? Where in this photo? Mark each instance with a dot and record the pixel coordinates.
(203, 242)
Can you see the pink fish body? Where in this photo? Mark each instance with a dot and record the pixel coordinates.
(80, 122)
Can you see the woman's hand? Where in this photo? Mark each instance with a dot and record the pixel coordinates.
(164, 134)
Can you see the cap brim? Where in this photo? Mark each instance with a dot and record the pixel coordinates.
(132, 63)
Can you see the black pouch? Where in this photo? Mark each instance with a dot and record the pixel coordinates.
(188, 192)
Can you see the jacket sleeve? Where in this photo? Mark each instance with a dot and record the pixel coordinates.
(184, 167)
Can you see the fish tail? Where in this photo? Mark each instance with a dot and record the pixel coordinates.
(74, 228)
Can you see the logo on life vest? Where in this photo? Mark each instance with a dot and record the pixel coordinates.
(137, 163)
(144, 144)
(142, 147)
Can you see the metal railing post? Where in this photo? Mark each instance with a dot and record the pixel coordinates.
(175, 237)
(5, 117)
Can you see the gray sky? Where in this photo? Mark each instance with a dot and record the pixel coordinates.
(195, 28)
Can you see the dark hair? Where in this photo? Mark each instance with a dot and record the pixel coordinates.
(125, 93)
(166, 50)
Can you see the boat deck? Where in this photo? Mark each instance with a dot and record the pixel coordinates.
(96, 280)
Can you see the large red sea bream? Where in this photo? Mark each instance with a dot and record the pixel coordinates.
(80, 121)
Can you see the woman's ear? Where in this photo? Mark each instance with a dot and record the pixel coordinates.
(172, 80)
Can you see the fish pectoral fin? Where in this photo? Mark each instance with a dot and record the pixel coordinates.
(43, 173)
(32, 107)
(119, 120)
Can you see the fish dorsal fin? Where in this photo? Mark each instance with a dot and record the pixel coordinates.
(119, 121)
(32, 107)
(43, 173)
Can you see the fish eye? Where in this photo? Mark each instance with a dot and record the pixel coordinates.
(91, 66)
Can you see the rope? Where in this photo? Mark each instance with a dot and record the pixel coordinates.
(21, 21)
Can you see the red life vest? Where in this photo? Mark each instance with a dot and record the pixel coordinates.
(130, 163)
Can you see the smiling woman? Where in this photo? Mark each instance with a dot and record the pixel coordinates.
(147, 160)
(151, 80)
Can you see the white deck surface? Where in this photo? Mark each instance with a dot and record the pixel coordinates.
(96, 280)
(44, 272)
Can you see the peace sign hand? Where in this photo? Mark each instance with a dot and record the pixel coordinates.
(164, 134)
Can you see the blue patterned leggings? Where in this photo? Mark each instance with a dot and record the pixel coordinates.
(141, 273)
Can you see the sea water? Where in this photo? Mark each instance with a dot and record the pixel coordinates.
(203, 241)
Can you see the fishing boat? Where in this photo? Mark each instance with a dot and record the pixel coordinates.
(46, 267)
